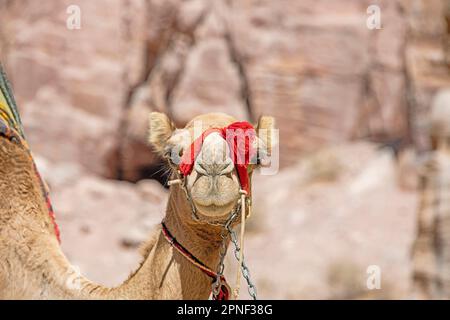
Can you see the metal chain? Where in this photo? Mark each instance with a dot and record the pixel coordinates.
(245, 271)
(223, 252)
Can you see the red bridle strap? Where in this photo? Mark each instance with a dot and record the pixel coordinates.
(224, 293)
(240, 137)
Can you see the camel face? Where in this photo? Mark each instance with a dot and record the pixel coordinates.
(213, 182)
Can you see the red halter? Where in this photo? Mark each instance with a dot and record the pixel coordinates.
(240, 137)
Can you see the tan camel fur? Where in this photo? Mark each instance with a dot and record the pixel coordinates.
(32, 265)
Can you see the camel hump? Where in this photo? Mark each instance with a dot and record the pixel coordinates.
(8, 107)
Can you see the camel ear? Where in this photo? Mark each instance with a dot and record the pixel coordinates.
(266, 133)
(161, 129)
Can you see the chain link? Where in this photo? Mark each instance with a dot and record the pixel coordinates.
(223, 252)
(245, 271)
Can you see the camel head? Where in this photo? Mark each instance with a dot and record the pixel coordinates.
(213, 181)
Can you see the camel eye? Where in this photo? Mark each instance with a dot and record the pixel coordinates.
(256, 159)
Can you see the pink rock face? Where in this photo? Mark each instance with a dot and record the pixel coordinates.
(85, 96)
(332, 222)
(102, 221)
(313, 65)
(90, 71)
(74, 136)
(215, 89)
(111, 219)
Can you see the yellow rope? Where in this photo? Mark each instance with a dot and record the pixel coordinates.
(6, 113)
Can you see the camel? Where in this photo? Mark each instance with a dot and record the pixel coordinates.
(33, 266)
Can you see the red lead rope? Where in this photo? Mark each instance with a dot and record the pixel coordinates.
(224, 293)
(240, 137)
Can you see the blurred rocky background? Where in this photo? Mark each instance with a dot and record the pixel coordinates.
(352, 106)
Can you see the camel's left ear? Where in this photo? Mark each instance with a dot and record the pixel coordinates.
(161, 129)
(266, 133)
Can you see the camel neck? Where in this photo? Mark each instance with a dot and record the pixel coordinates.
(165, 272)
(200, 239)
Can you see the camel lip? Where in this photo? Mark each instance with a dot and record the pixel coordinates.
(214, 211)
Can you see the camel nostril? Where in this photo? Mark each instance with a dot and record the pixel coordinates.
(201, 169)
(214, 169)
(228, 168)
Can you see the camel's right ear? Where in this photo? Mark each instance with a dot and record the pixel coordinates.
(161, 129)
(265, 129)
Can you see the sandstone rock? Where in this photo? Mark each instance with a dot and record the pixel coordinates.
(285, 61)
(190, 14)
(102, 221)
(422, 16)
(408, 170)
(74, 136)
(136, 155)
(386, 119)
(246, 59)
(215, 89)
(440, 114)
(97, 216)
(389, 49)
(328, 232)
(86, 68)
(57, 177)
(426, 65)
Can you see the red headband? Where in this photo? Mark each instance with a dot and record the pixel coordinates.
(240, 137)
